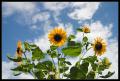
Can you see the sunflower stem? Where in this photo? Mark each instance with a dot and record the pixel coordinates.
(53, 62)
(57, 71)
(25, 55)
(63, 67)
(32, 73)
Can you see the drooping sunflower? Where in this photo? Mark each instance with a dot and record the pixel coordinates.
(86, 29)
(19, 49)
(99, 46)
(57, 36)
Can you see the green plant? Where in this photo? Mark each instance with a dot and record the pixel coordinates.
(49, 69)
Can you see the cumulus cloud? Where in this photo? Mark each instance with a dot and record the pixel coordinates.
(10, 7)
(8, 74)
(41, 16)
(68, 28)
(55, 6)
(83, 10)
(43, 42)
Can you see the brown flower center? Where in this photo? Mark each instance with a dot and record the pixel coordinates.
(57, 37)
(98, 46)
(18, 50)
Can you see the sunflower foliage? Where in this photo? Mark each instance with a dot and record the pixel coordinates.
(53, 63)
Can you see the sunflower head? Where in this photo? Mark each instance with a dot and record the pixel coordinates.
(57, 36)
(99, 46)
(107, 61)
(86, 29)
(19, 49)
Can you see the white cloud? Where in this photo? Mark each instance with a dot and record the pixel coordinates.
(83, 10)
(55, 6)
(34, 27)
(78, 10)
(8, 74)
(43, 42)
(67, 27)
(10, 7)
(41, 16)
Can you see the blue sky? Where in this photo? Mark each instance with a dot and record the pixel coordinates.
(26, 24)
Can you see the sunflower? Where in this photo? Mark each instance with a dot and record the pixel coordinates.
(86, 29)
(99, 46)
(107, 61)
(57, 36)
(19, 50)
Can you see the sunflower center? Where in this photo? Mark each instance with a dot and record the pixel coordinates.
(18, 50)
(98, 46)
(57, 37)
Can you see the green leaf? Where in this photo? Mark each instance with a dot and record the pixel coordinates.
(78, 44)
(37, 54)
(33, 46)
(18, 59)
(48, 64)
(74, 44)
(71, 43)
(79, 30)
(53, 54)
(77, 64)
(90, 75)
(71, 51)
(48, 51)
(53, 47)
(79, 72)
(84, 68)
(102, 67)
(87, 44)
(75, 73)
(39, 74)
(16, 73)
(67, 62)
(109, 74)
(23, 68)
(41, 66)
(71, 37)
(85, 39)
(63, 69)
(91, 59)
(94, 66)
(59, 55)
(66, 75)
(27, 46)
(62, 59)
